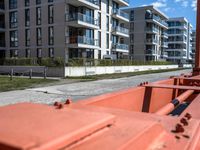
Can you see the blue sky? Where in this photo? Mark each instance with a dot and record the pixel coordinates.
(172, 8)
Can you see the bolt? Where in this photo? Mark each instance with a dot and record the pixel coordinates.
(184, 121)
(141, 84)
(60, 106)
(179, 128)
(188, 116)
(146, 82)
(68, 101)
(56, 104)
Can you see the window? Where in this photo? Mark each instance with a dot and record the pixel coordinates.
(132, 15)
(13, 53)
(99, 37)
(99, 20)
(107, 6)
(14, 38)
(99, 54)
(39, 52)
(51, 35)
(107, 41)
(131, 38)
(50, 0)
(27, 17)
(27, 37)
(12, 4)
(39, 36)
(51, 52)
(38, 16)
(28, 53)
(38, 2)
(107, 23)
(13, 19)
(27, 3)
(50, 14)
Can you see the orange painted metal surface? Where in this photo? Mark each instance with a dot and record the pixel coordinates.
(133, 119)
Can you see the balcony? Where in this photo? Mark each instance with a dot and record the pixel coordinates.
(158, 21)
(120, 31)
(178, 41)
(81, 20)
(151, 52)
(164, 54)
(82, 42)
(151, 30)
(118, 14)
(177, 33)
(164, 44)
(164, 35)
(122, 3)
(151, 41)
(92, 4)
(120, 47)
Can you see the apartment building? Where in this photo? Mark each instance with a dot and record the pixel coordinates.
(148, 34)
(63, 28)
(179, 40)
(193, 42)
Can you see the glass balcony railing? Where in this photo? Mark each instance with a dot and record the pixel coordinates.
(149, 29)
(96, 2)
(177, 32)
(83, 40)
(83, 18)
(151, 41)
(150, 51)
(120, 46)
(121, 30)
(164, 34)
(121, 13)
(157, 18)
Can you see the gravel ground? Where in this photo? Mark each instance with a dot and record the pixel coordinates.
(80, 90)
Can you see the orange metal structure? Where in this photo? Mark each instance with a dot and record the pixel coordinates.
(163, 115)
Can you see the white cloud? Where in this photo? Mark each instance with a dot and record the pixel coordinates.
(194, 5)
(160, 3)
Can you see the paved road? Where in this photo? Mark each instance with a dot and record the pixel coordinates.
(80, 90)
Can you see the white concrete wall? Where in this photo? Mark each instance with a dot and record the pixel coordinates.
(84, 71)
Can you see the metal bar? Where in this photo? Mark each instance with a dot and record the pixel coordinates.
(174, 103)
(173, 87)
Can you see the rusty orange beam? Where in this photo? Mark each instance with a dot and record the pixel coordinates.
(174, 103)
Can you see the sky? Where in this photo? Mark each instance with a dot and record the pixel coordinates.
(172, 8)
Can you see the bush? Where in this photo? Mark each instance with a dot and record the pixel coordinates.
(48, 62)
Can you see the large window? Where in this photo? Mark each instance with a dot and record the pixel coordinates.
(50, 14)
(28, 53)
(51, 52)
(13, 19)
(27, 3)
(27, 37)
(14, 38)
(38, 2)
(12, 4)
(51, 35)
(27, 17)
(39, 36)
(38, 16)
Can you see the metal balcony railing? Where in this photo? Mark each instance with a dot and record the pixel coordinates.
(163, 22)
(121, 29)
(148, 29)
(121, 13)
(83, 18)
(120, 46)
(83, 40)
